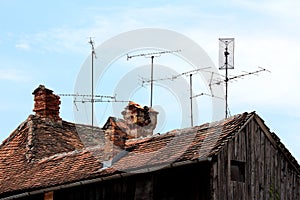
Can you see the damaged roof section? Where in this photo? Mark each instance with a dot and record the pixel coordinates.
(40, 153)
(58, 155)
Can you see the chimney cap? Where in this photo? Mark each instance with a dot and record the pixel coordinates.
(138, 106)
(42, 87)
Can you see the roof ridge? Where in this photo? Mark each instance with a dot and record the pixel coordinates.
(74, 152)
(30, 141)
(218, 122)
(16, 131)
(200, 127)
(227, 133)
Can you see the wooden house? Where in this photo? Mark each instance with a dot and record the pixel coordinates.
(48, 158)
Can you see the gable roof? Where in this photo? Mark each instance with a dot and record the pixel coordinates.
(41, 154)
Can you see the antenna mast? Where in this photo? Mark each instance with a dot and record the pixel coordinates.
(91, 42)
(92, 98)
(151, 55)
(226, 44)
(191, 99)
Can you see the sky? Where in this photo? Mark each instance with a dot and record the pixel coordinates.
(47, 43)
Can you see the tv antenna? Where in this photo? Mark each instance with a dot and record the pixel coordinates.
(226, 61)
(172, 78)
(232, 78)
(152, 55)
(190, 74)
(91, 42)
(92, 98)
(239, 76)
(88, 98)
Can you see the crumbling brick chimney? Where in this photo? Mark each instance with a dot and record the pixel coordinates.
(46, 104)
(115, 139)
(140, 120)
(137, 122)
(115, 131)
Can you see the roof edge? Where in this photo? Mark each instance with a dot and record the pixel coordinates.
(277, 143)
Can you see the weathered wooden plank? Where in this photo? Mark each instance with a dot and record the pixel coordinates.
(252, 160)
(228, 154)
(214, 182)
(225, 172)
(261, 165)
(282, 178)
(267, 169)
(220, 176)
(278, 173)
(248, 161)
(256, 139)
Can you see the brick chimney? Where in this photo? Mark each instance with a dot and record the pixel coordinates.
(140, 120)
(115, 139)
(115, 131)
(46, 104)
(137, 122)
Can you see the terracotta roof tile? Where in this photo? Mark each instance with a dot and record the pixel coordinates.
(40, 153)
(180, 145)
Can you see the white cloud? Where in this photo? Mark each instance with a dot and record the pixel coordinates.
(103, 25)
(23, 46)
(13, 75)
(278, 8)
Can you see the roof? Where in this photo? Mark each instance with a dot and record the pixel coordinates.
(41, 153)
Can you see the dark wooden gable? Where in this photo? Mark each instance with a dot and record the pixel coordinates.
(254, 164)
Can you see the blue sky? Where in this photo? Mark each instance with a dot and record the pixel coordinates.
(46, 43)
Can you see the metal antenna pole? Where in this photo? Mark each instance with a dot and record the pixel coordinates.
(92, 90)
(91, 42)
(152, 55)
(191, 99)
(151, 82)
(151, 95)
(226, 53)
(228, 45)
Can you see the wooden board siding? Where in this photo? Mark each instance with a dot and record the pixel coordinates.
(268, 175)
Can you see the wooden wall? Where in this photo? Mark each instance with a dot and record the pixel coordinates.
(186, 182)
(268, 175)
